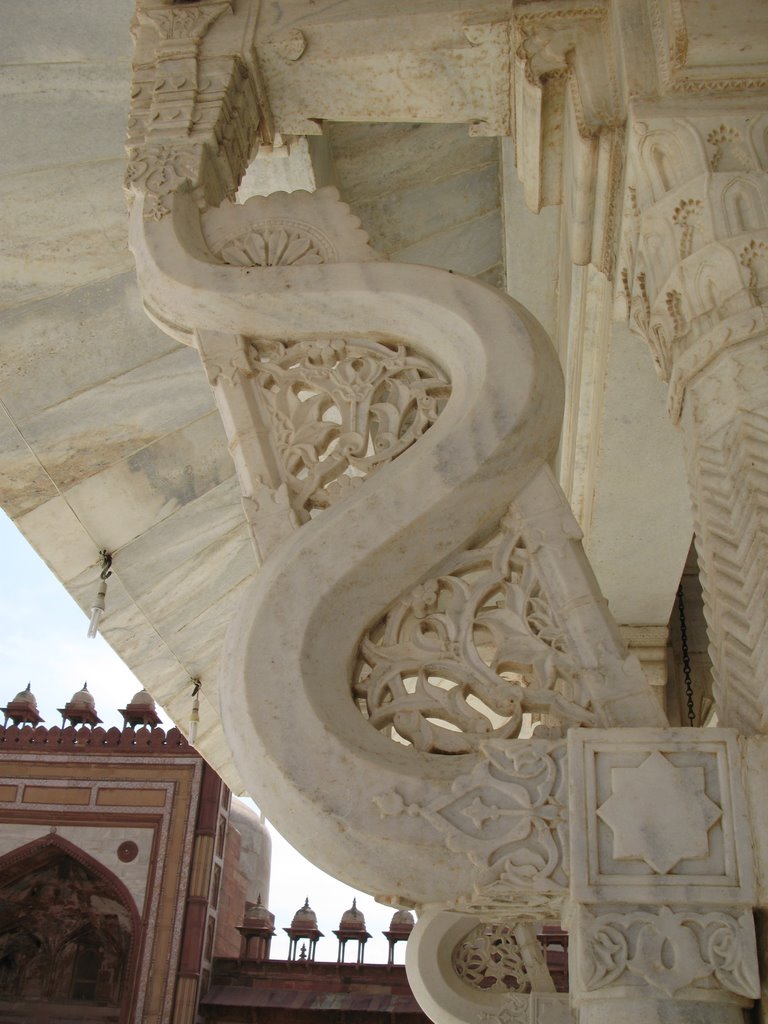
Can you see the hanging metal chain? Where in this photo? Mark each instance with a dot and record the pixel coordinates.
(686, 657)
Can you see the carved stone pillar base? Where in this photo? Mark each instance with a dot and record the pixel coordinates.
(662, 882)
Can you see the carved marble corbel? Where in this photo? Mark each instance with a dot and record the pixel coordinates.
(694, 269)
(413, 596)
(198, 103)
(569, 115)
(424, 600)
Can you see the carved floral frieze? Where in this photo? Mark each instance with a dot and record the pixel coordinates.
(516, 1010)
(673, 952)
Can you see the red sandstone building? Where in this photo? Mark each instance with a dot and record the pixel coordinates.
(113, 846)
(127, 881)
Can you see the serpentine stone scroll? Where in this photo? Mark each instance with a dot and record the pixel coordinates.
(438, 401)
(424, 628)
(391, 427)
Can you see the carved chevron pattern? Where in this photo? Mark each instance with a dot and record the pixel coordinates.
(729, 483)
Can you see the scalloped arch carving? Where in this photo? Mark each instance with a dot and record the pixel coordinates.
(743, 206)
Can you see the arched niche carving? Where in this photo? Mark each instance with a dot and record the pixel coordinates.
(758, 136)
(664, 163)
(743, 206)
(669, 157)
(69, 931)
(707, 290)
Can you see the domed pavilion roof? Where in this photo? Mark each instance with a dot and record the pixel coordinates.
(305, 917)
(352, 919)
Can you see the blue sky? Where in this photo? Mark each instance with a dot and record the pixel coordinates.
(43, 642)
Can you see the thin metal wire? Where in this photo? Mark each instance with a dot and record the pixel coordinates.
(686, 657)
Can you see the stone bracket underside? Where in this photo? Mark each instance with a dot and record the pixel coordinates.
(286, 678)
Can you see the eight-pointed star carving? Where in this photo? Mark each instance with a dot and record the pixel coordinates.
(659, 813)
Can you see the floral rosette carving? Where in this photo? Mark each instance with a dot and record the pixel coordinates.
(463, 656)
(342, 408)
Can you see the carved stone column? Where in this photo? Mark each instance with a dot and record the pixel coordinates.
(662, 888)
(695, 274)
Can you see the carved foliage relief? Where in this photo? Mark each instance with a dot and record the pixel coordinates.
(465, 655)
(509, 816)
(516, 1010)
(342, 408)
(675, 952)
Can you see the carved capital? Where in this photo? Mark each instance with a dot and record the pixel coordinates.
(694, 252)
(180, 28)
(197, 103)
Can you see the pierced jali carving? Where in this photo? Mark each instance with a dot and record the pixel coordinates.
(462, 657)
(671, 951)
(509, 816)
(342, 409)
(490, 958)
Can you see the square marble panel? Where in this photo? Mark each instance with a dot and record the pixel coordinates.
(658, 816)
(131, 496)
(468, 248)
(61, 228)
(86, 102)
(59, 347)
(23, 483)
(90, 431)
